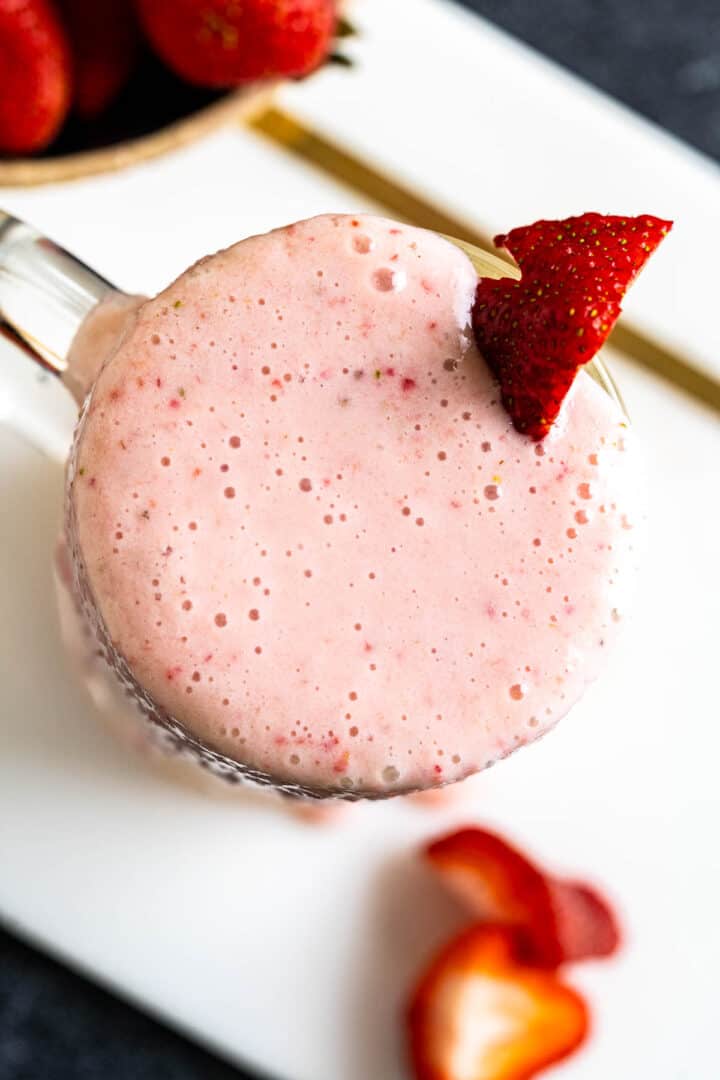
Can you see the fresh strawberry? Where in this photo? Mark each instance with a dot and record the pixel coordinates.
(34, 75)
(585, 923)
(104, 40)
(222, 43)
(480, 1013)
(562, 921)
(535, 334)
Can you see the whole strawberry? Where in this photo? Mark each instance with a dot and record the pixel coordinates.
(221, 43)
(34, 75)
(104, 40)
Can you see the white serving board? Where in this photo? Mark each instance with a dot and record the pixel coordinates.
(291, 947)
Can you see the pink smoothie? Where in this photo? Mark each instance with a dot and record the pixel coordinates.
(307, 534)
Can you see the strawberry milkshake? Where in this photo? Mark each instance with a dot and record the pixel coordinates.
(306, 533)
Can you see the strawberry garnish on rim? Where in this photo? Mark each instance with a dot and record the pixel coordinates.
(561, 921)
(535, 334)
(480, 1013)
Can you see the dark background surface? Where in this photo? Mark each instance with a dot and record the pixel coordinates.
(663, 58)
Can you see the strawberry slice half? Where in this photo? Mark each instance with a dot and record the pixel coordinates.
(562, 921)
(535, 334)
(479, 1013)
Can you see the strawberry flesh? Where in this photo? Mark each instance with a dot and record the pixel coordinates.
(561, 921)
(480, 1013)
(585, 922)
(535, 334)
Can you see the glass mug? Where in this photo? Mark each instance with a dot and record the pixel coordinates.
(45, 296)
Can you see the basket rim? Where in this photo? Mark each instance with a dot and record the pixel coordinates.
(236, 105)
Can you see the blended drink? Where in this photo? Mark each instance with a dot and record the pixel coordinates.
(308, 535)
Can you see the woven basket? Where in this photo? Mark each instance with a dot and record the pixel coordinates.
(231, 107)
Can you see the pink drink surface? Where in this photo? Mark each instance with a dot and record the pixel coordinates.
(308, 527)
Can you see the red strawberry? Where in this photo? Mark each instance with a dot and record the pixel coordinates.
(536, 333)
(479, 1013)
(34, 75)
(585, 923)
(562, 920)
(104, 40)
(225, 43)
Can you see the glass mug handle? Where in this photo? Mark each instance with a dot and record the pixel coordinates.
(45, 293)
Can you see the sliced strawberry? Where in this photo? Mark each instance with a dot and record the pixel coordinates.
(34, 75)
(479, 1013)
(535, 334)
(562, 920)
(585, 922)
(104, 40)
